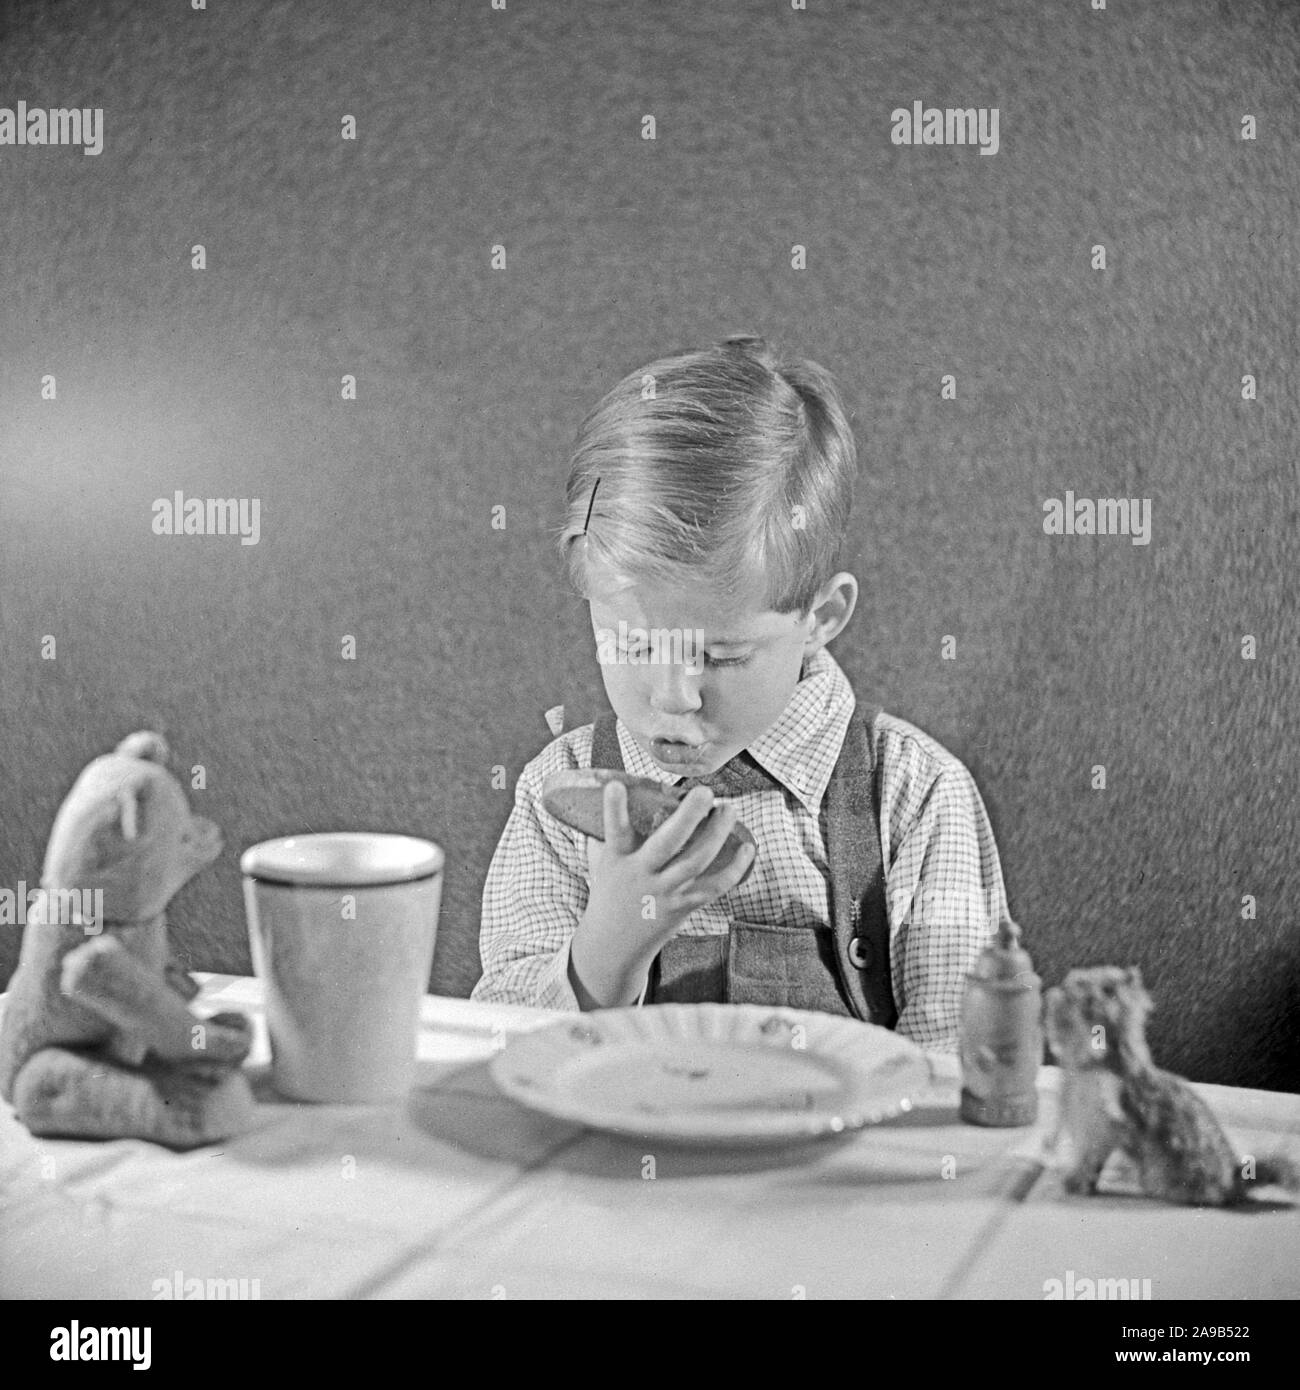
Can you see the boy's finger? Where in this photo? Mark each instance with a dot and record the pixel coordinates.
(721, 881)
(672, 835)
(703, 848)
(619, 834)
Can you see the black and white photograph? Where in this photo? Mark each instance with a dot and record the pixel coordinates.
(649, 650)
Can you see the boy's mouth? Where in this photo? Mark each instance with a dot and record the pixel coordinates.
(676, 753)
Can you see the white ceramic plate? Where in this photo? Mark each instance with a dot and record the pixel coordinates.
(713, 1073)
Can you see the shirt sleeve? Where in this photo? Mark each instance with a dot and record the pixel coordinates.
(534, 894)
(944, 888)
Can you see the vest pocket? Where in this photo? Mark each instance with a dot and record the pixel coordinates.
(787, 967)
(690, 970)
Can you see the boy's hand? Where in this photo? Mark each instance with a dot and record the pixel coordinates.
(640, 893)
(666, 874)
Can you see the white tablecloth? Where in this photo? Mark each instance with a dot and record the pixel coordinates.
(460, 1193)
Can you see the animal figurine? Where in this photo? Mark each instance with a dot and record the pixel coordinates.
(97, 1039)
(1113, 1097)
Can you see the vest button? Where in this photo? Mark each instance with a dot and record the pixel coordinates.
(860, 952)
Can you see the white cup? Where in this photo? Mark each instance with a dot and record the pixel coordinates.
(342, 929)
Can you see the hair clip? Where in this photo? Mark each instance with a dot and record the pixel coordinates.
(590, 505)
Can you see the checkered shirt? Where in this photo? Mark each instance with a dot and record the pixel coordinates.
(943, 883)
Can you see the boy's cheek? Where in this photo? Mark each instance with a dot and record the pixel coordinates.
(622, 690)
(750, 710)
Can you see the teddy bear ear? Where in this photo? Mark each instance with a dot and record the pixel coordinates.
(130, 812)
(146, 745)
(1135, 977)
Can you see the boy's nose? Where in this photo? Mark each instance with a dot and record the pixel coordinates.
(674, 689)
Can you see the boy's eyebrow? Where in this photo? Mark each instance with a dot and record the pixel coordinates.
(749, 639)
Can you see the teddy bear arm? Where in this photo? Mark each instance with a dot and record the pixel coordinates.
(104, 976)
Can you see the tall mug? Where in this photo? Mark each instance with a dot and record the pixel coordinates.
(342, 929)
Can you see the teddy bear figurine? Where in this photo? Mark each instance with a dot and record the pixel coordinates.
(97, 1039)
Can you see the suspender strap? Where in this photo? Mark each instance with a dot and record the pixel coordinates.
(858, 912)
(605, 751)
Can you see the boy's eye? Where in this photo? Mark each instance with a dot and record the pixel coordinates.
(634, 651)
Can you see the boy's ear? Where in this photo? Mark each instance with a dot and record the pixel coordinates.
(832, 608)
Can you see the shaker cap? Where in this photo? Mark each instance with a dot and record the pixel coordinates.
(1004, 958)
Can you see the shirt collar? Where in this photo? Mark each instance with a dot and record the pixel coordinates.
(800, 748)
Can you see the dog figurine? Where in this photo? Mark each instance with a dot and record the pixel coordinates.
(1113, 1097)
(97, 1039)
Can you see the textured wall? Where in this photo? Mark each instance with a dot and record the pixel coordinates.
(523, 128)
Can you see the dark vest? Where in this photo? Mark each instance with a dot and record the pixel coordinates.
(842, 968)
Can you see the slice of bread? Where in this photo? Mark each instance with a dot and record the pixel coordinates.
(577, 798)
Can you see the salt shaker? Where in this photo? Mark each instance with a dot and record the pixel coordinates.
(1001, 1035)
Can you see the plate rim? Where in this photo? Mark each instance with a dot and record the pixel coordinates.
(784, 1126)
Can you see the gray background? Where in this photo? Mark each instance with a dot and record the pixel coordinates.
(523, 127)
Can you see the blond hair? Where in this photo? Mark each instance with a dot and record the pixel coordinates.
(723, 462)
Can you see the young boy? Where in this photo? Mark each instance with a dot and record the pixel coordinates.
(708, 499)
